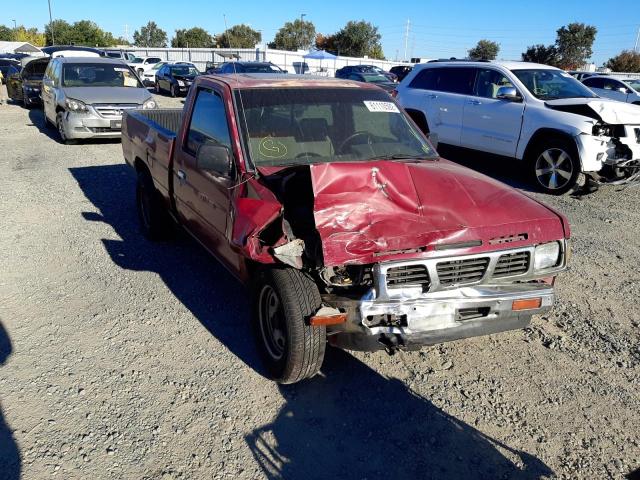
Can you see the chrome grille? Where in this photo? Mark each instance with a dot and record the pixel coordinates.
(114, 111)
(408, 275)
(462, 271)
(512, 264)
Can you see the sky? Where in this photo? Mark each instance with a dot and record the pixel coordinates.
(436, 29)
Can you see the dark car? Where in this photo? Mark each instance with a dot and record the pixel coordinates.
(401, 71)
(372, 77)
(344, 72)
(175, 78)
(248, 67)
(8, 67)
(25, 85)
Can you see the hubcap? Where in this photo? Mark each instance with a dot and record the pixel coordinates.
(271, 321)
(554, 168)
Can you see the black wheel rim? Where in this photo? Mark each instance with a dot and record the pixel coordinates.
(554, 168)
(272, 323)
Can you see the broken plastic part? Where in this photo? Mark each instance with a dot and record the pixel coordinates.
(328, 316)
(290, 253)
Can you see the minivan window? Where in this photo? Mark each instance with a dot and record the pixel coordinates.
(98, 75)
(446, 79)
(208, 121)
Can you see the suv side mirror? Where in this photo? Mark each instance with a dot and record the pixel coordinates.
(214, 157)
(508, 93)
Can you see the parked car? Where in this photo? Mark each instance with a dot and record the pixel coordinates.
(175, 78)
(621, 90)
(8, 67)
(248, 67)
(72, 51)
(143, 64)
(579, 75)
(325, 198)
(525, 111)
(372, 77)
(25, 85)
(345, 72)
(85, 97)
(121, 54)
(401, 71)
(149, 77)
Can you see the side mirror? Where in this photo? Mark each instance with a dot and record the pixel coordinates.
(508, 93)
(215, 158)
(285, 71)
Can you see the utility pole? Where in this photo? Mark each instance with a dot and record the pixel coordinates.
(14, 23)
(406, 40)
(53, 39)
(635, 47)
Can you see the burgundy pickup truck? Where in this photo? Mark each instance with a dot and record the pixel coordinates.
(325, 198)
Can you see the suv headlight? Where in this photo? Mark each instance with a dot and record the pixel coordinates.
(75, 105)
(151, 103)
(546, 256)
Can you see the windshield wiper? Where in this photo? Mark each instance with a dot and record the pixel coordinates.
(401, 156)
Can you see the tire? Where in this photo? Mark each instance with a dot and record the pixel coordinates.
(283, 300)
(153, 217)
(172, 90)
(25, 104)
(61, 130)
(554, 165)
(157, 88)
(140, 72)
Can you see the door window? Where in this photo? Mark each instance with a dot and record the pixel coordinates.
(489, 81)
(614, 85)
(594, 82)
(449, 79)
(208, 121)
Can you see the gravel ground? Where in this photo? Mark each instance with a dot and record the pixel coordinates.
(125, 359)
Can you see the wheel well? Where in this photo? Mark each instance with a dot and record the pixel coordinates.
(140, 166)
(59, 109)
(419, 118)
(636, 103)
(545, 134)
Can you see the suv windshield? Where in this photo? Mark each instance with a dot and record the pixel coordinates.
(261, 68)
(184, 70)
(291, 126)
(547, 84)
(635, 84)
(98, 75)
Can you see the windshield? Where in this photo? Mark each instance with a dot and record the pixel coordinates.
(374, 78)
(158, 66)
(292, 126)
(547, 84)
(184, 70)
(635, 84)
(260, 68)
(98, 75)
(35, 70)
(136, 60)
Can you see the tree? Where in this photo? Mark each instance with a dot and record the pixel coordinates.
(195, 37)
(294, 36)
(547, 55)
(83, 32)
(150, 35)
(239, 36)
(326, 42)
(357, 39)
(574, 43)
(484, 50)
(6, 33)
(625, 61)
(29, 35)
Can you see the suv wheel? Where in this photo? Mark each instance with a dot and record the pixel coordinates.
(283, 301)
(555, 166)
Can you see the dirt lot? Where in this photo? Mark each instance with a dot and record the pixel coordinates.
(125, 359)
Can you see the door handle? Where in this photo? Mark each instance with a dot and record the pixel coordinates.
(474, 102)
(182, 176)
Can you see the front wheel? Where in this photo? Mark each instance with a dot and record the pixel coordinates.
(555, 166)
(157, 88)
(154, 219)
(283, 301)
(173, 91)
(62, 131)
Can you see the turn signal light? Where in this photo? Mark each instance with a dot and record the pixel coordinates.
(394, 93)
(526, 304)
(320, 320)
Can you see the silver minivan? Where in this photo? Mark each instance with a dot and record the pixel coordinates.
(84, 97)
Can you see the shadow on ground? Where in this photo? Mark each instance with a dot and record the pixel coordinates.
(9, 453)
(214, 297)
(353, 423)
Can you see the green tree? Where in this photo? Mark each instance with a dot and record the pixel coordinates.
(547, 55)
(484, 50)
(294, 36)
(574, 43)
(625, 61)
(239, 36)
(357, 39)
(61, 31)
(6, 33)
(150, 35)
(83, 32)
(29, 35)
(195, 37)
(326, 42)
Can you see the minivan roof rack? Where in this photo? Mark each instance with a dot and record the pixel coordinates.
(453, 59)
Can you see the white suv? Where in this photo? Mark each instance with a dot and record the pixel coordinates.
(143, 64)
(526, 111)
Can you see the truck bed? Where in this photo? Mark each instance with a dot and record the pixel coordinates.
(148, 136)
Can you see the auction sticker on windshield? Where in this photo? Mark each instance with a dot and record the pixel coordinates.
(376, 106)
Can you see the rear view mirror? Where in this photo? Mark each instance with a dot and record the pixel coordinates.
(508, 93)
(215, 158)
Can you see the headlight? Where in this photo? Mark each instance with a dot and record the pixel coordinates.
(181, 83)
(75, 105)
(546, 256)
(151, 103)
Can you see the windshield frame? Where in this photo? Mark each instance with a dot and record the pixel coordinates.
(558, 73)
(243, 134)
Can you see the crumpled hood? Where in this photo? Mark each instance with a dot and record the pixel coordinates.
(113, 95)
(370, 211)
(609, 111)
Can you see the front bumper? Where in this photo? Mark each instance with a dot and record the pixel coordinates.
(597, 152)
(32, 96)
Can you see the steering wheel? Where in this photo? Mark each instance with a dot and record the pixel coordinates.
(350, 139)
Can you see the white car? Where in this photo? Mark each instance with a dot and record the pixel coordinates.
(149, 77)
(143, 64)
(615, 88)
(526, 111)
